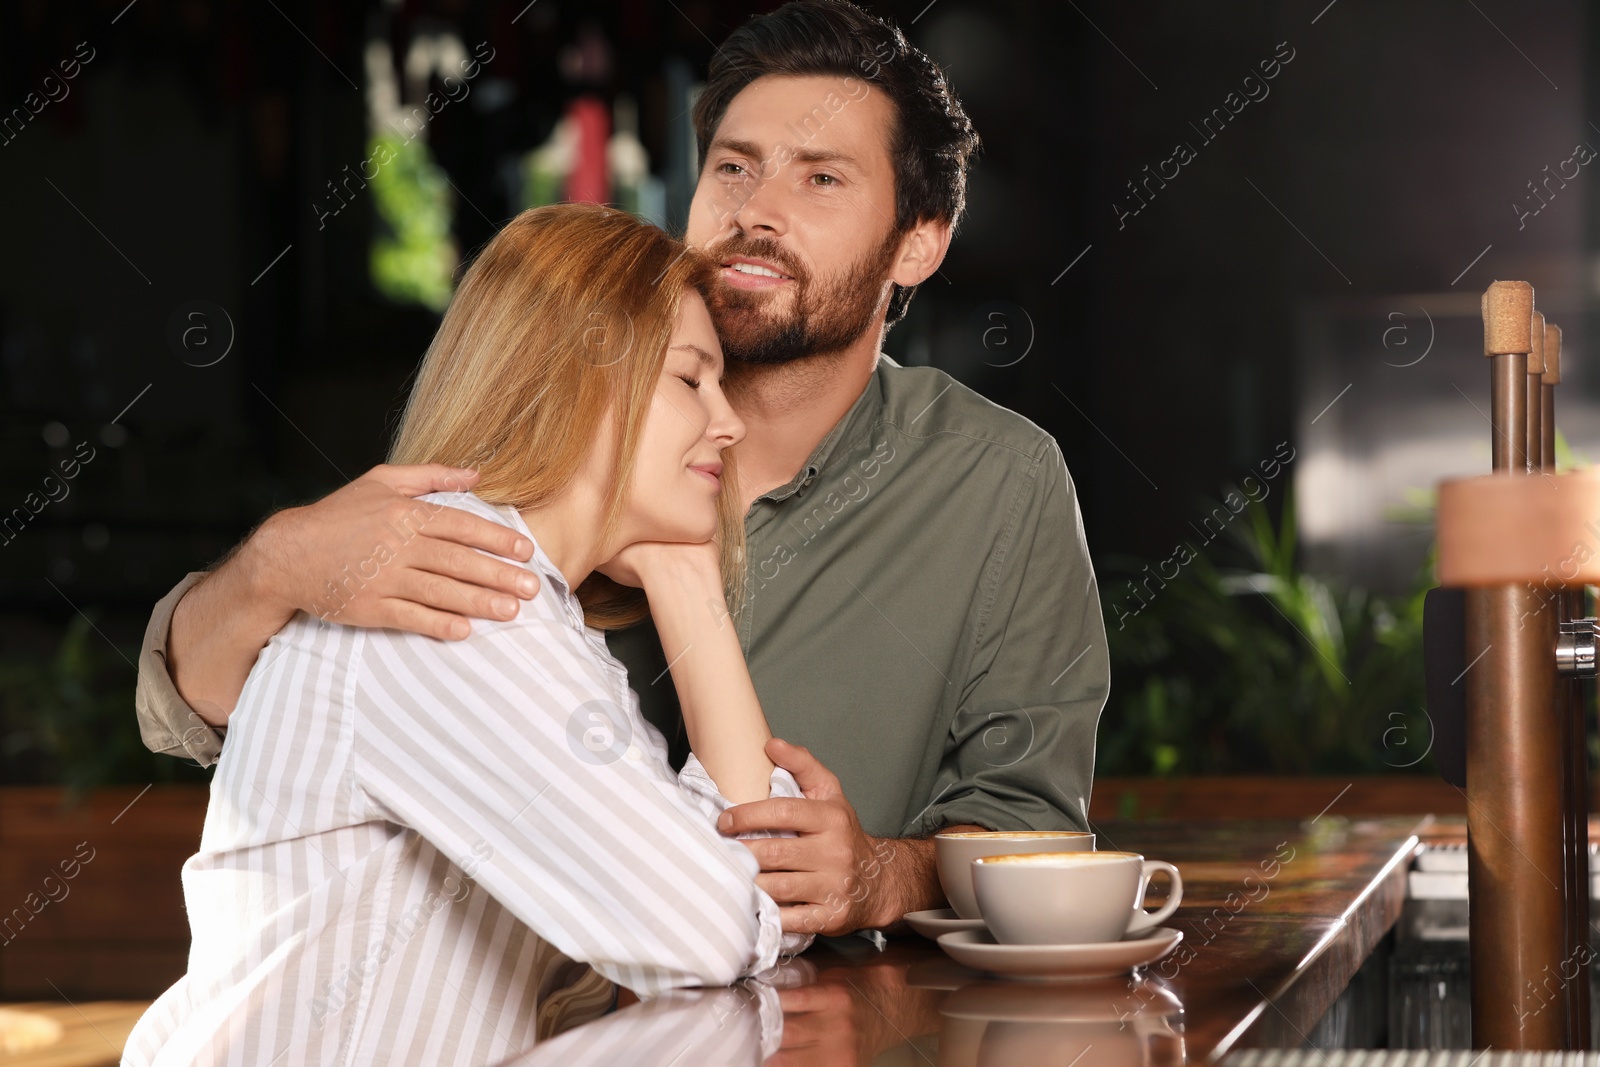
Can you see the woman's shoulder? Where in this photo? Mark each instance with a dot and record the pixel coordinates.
(505, 515)
(554, 607)
(430, 503)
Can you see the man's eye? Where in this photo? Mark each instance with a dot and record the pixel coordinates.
(730, 168)
(826, 178)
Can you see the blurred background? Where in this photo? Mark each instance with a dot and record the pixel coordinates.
(1213, 249)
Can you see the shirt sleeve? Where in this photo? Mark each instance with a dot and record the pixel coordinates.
(167, 724)
(519, 746)
(698, 784)
(1021, 748)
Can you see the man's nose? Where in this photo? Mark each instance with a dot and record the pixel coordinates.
(759, 208)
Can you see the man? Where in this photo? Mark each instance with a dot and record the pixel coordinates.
(922, 614)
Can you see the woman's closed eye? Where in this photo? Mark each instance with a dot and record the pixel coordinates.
(694, 383)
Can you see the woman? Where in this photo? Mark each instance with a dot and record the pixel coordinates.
(413, 847)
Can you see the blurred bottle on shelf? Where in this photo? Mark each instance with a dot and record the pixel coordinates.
(585, 160)
(634, 187)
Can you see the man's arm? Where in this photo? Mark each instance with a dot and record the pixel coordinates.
(366, 555)
(217, 628)
(1021, 755)
(167, 725)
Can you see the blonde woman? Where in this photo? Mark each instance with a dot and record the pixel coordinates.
(414, 847)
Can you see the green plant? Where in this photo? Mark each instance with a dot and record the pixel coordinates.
(69, 718)
(413, 255)
(1249, 665)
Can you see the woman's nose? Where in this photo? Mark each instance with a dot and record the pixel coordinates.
(726, 428)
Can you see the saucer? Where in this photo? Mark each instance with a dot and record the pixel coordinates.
(978, 949)
(931, 924)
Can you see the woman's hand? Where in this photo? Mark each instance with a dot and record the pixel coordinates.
(643, 563)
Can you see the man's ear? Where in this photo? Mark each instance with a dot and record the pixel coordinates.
(921, 251)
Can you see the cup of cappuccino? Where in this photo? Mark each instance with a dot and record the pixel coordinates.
(956, 851)
(1070, 898)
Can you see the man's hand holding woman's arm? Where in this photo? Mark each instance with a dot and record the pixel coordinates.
(366, 555)
(833, 877)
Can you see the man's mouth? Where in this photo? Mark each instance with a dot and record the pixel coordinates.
(747, 273)
(756, 268)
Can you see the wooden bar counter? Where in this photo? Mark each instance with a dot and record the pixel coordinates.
(1277, 916)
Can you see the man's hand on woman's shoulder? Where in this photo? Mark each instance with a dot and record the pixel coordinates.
(370, 554)
(365, 555)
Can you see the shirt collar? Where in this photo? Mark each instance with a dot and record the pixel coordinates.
(540, 563)
(853, 425)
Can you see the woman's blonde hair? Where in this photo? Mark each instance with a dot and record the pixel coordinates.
(563, 317)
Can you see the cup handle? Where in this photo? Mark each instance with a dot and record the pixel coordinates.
(1145, 920)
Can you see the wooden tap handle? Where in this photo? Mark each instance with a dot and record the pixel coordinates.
(1536, 326)
(1552, 354)
(1507, 318)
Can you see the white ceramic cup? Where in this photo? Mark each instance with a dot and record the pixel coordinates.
(1069, 898)
(956, 851)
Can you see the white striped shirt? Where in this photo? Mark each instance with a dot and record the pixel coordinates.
(410, 842)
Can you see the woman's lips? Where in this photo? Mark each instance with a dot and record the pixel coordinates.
(707, 473)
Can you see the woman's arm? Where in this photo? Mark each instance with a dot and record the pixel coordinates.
(727, 729)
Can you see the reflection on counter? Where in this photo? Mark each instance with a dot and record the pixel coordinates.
(734, 1025)
(840, 1015)
(1112, 1022)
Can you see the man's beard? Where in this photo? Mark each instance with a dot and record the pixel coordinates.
(825, 317)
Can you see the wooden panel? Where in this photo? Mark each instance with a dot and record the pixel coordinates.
(1279, 797)
(37, 969)
(90, 893)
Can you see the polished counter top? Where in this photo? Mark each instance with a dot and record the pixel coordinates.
(1277, 916)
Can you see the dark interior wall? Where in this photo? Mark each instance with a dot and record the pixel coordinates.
(1385, 158)
(184, 164)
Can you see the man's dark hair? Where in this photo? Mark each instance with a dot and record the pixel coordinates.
(932, 140)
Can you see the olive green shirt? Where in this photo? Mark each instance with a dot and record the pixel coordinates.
(920, 613)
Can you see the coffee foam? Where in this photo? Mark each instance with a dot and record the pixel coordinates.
(1061, 859)
(1016, 835)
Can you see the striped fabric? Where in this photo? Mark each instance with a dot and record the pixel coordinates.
(680, 1028)
(412, 846)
